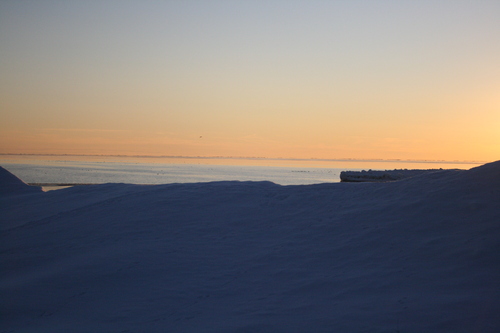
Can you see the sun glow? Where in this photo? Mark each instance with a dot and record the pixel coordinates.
(338, 80)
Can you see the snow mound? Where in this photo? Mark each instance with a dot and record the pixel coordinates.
(380, 176)
(417, 255)
(10, 184)
(488, 173)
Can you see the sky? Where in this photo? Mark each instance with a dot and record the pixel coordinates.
(416, 80)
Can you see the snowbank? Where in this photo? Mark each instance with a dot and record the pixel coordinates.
(417, 255)
(380, 176)
(10, 184)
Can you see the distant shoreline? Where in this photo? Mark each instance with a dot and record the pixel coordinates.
(60, 184)
(251, 158)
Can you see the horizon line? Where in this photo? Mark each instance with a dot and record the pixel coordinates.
(254, 158)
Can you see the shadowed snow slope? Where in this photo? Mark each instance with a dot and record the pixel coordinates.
(417, 255)
(10, 184)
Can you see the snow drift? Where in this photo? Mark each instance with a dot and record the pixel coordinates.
(416, 255)
(10, 184)
(381, 176)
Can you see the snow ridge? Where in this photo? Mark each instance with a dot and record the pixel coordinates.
(381, 176)
(416, 255)
(10, 184)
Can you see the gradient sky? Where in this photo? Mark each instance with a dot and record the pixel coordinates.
(323, 79)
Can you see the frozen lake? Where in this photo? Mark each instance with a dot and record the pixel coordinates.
(63, 170)
(149, 173)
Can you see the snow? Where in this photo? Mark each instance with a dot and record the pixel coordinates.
(380, 176)
(420, 254)
(10, 184)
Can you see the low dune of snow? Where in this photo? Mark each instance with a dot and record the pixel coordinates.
(416, 255)
(11, 185)
(381, 176)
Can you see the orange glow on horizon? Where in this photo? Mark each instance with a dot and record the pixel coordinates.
(317, 79)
